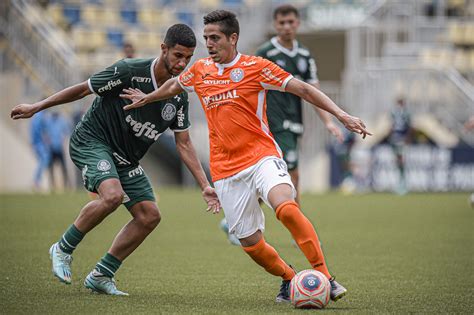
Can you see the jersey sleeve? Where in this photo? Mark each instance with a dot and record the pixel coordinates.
(187, 79)
(272, 77)
(110, 81)
(181, 122)
(311, 76)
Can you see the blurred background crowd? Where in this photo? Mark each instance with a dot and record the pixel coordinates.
(405, 67)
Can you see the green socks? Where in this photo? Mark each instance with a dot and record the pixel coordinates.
(108, 265)
(71, 238)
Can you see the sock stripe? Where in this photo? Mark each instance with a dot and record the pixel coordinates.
(101, 265)
(67, 243)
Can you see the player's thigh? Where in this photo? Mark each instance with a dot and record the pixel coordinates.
(136, 185)
(241, 208)
(288, 142)
(272, 175)
(95, 162)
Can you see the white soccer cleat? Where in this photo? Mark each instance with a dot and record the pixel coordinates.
(61, 262)
(100, 283)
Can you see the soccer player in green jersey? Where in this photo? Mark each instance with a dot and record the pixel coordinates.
(284, 110)
(107, 145)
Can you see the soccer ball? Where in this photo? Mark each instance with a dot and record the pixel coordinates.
(310, 289)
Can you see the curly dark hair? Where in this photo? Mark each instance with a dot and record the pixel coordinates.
(180, 34)
(225, 19)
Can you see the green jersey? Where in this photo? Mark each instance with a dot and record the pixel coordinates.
(129, 133)
(284, 109)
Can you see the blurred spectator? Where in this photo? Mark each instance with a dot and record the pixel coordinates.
(469, 124)
(342, 151)
(57, 131)
(128, 50)
(40, 146)
(400, 136)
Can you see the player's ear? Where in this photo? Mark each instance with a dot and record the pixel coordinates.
(234, 38)
(164, 48)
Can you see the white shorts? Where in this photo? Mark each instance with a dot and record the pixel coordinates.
(239, 194)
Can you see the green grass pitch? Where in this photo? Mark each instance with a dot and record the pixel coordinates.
(411, 254)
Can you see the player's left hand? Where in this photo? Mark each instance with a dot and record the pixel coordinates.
(210, 196)
(354, 124)
(335, 131)
(137, 97)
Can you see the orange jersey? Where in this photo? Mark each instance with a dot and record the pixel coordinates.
(233, 97)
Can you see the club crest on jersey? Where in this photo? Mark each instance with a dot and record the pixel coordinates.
(168, 112)
(302, 65)
(237, 75)
(103, 165)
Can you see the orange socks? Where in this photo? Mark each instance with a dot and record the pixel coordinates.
(304, 234)
(267, 257)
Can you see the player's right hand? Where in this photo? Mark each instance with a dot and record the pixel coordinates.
(24, 111)
(354, 124)
(137, 97)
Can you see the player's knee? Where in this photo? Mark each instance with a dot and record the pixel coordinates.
(150, 219)
(113, 199)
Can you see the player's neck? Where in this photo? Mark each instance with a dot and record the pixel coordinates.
(161, 74)
(231, 57)
(288, 44)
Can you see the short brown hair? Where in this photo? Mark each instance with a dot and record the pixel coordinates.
(285, 9)
(225, 19)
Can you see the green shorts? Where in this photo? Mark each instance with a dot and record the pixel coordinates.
(97, 163)
(288, 142)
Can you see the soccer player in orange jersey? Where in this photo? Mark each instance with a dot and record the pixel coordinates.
(246, 162)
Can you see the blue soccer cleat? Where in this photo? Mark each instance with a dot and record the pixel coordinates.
(61, 262)
(102, 284)
(231, 237)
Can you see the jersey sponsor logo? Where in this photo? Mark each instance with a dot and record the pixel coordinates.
(248, 63)
(216, 82)
(168, 112)
(293, 126)
(180, 117)
(109, 85)
(136, 171)
(302, 65)
(268, 75)
(186, 77)
(141, 79)
(237, 75)
(103, 165)
(281, 63)
(218, 99)
(146, 129)
(115, 71)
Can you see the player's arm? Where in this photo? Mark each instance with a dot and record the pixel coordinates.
(319, 99)
(169, 89)
(188, 155)
(327, 119)
(69, 94)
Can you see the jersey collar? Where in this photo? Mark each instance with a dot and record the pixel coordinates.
(221, 66)
(152, 72)
(290, 53)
